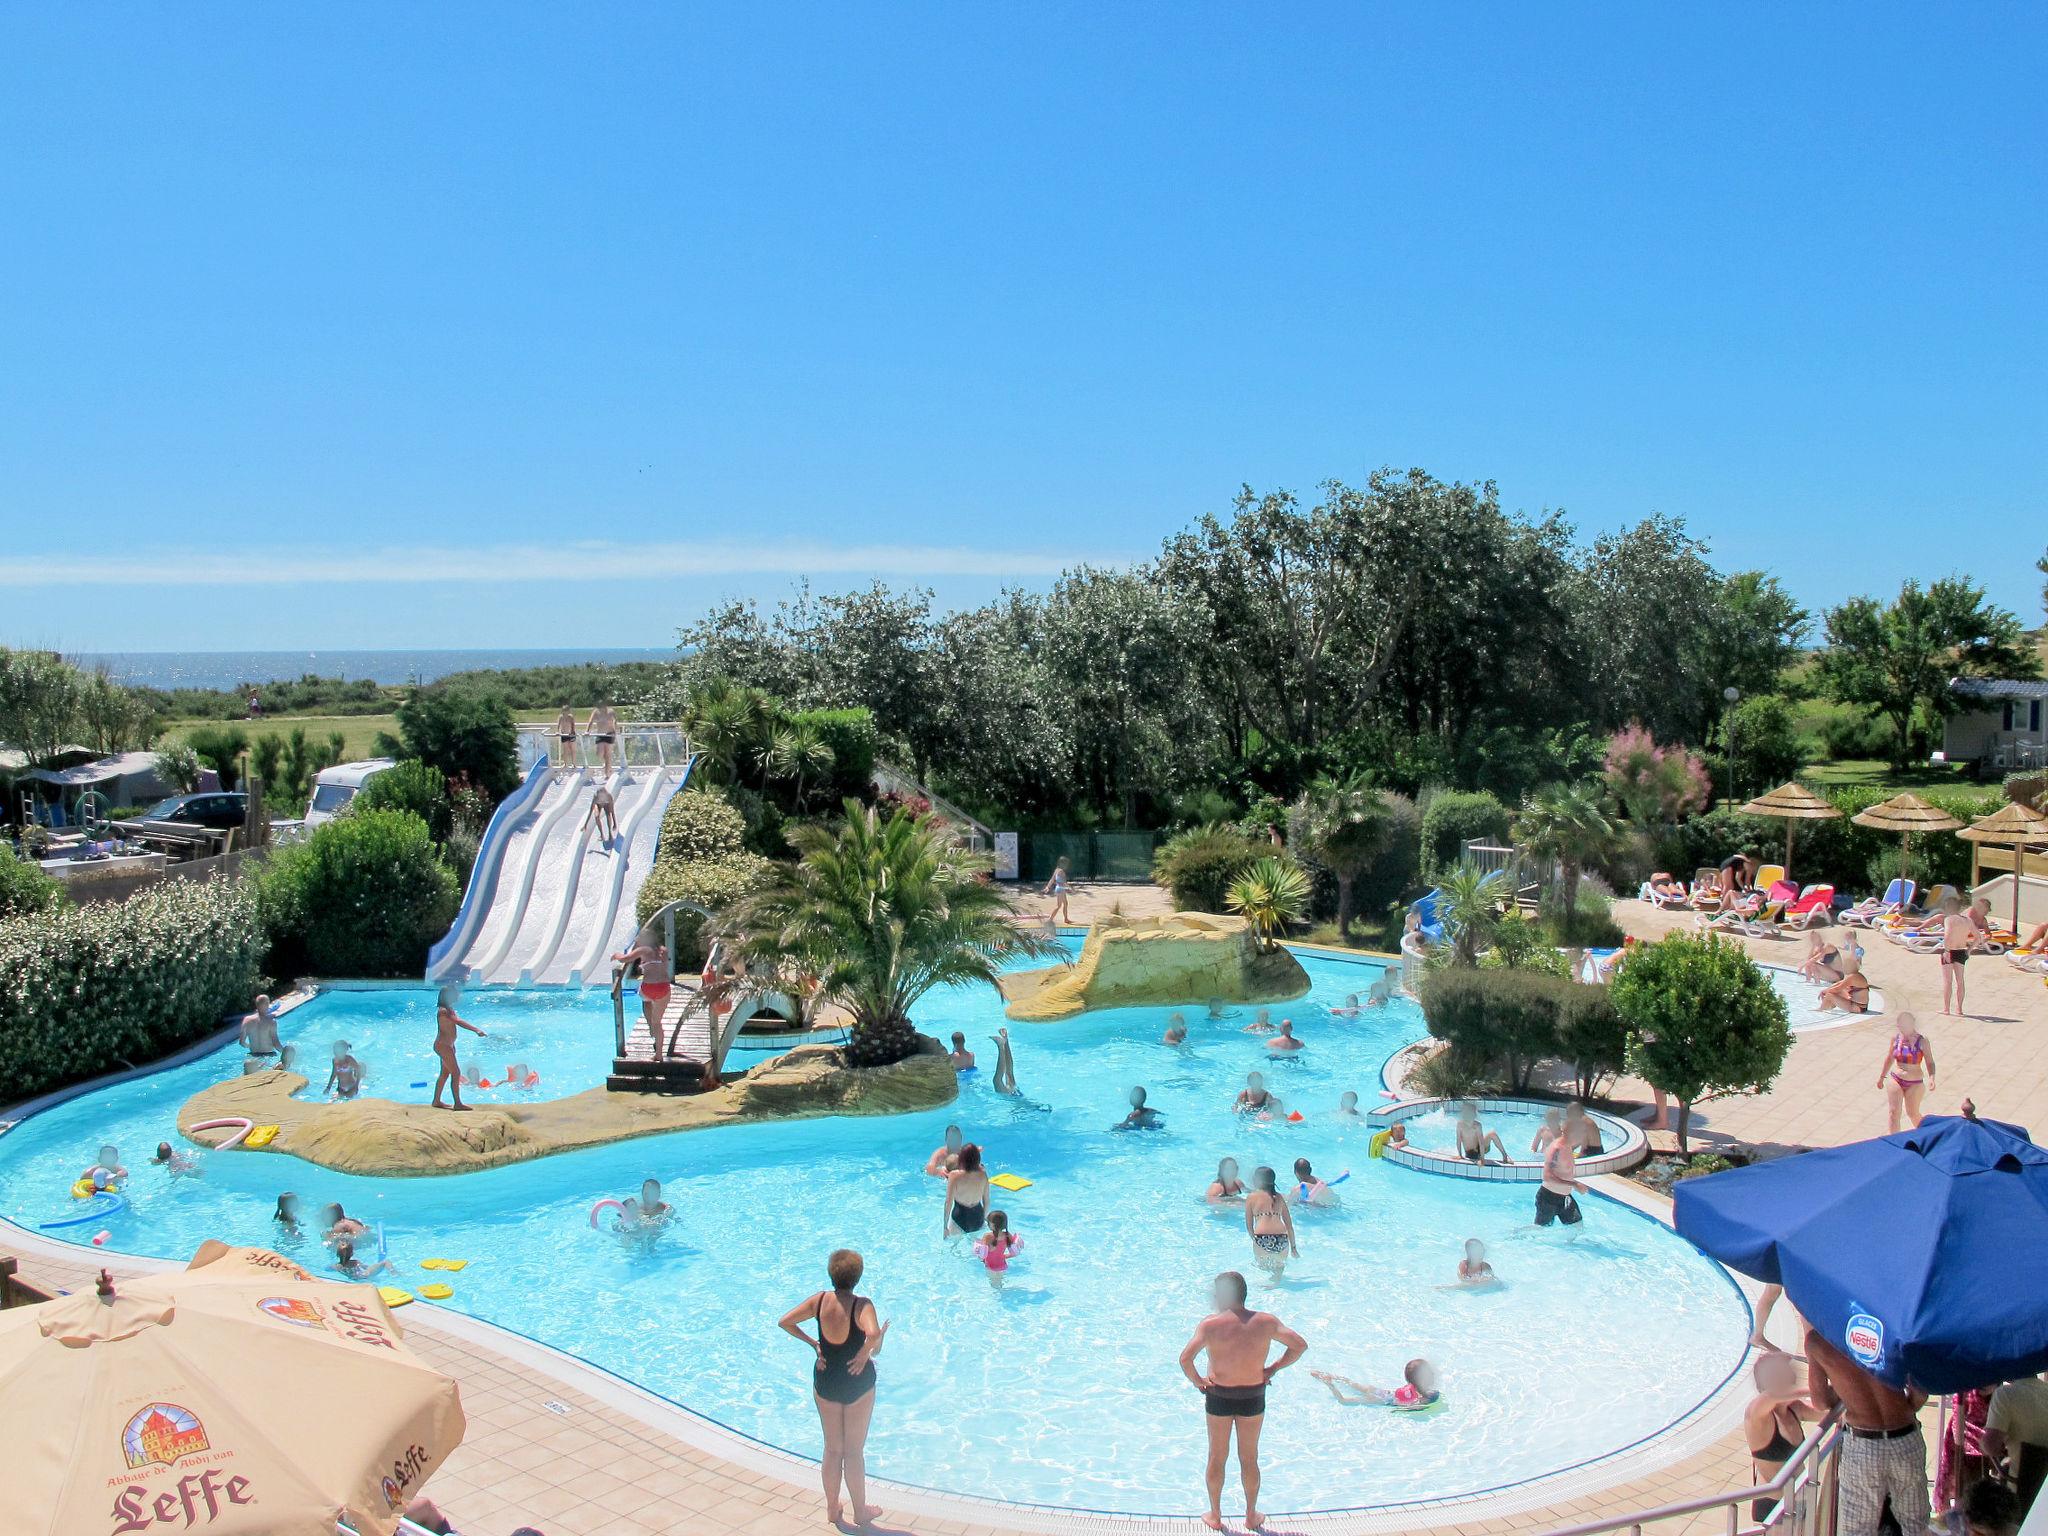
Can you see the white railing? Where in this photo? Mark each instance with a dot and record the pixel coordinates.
(641, 744)
(1803, 1493)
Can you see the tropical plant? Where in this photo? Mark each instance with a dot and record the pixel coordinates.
(1469, 906)
(1198, 866)
(178, 766)
(1272, 894)
(1570, 824)
(366, 895)
(798, 752)
(1702, 1018)
(874, 913)
(465, 732)
(1340, 824)
(733, 727)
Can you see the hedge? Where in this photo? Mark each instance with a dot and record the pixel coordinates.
(409, 786)
(1515, 1019)
(1455, 817)
(699, 824)
(366, 895)
(711, 883)
(86, 990)
(1197, 866)
(24, 888)
(851, 735)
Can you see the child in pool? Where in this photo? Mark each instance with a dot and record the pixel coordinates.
(1350, 1010)
(287, 1213)
(174, 1162)
(345, 1081)
(1473, 1268)
(1261, 1024)
(1310, 1190)
(345, 1260)
(1347, 1107)
(1141, 1117)
(107, 1170)
(1381, 992)
(1176, 1031)
(961, 1057)
(1226, 1188)
(339, 1223)
(648, 1209)
(1418, 1389)
(997, 1246)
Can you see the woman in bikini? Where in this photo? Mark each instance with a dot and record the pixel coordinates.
(1907, 1072)
(1270, 1224)
(966, 1195)
(842, 1382)
(1851, 993)
(1056, 888)
(1775, 1421)
(1823, 962)
(657, 983)
(1255, 1099)
(1226, 1188)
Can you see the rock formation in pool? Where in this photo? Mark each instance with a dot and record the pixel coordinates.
(1179, 959)
(380, 1138)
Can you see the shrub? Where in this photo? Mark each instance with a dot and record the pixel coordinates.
(1702, 1017)
(464, 732)
(851, 735)
(1852, 736)
(409, 786)
(1398, 865)
(1522, 945)
(699, 824)
(1652, 783)
(1449, 1073)
(1765, 737)
(220, 747)
(1591, 1035)
(25, 889)
(2026, 787)
(1503, 1017)
(1199, 866)
(179, 767)
(1454, 818)
(85, 990)
(714, 884)
(1590, 922)
(366, 895)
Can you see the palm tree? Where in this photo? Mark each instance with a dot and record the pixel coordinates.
(1272, 893)
(1571, 825)
(874, 914)
(800, 752)
(1341, 824)
(1469, 907)
(729, 724)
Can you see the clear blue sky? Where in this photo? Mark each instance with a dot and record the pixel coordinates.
(313, 297)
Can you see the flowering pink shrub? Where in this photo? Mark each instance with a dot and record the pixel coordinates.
(1653, 783)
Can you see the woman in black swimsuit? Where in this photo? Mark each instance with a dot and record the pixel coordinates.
(842, 1381)
(1775, 1421)
(966, 1194)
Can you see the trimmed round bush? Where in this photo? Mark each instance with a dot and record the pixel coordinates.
(1199, 866)
(366, 895)
(25, 888)
(700, 824)
(1455, 817)
(411, 786)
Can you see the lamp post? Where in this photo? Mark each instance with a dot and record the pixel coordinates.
(1730, 695)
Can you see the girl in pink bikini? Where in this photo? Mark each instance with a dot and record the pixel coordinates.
(1907, 1071)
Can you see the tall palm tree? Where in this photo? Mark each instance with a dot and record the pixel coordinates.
(799, 752)
(1341, 824)
(1572, 825)
(1272, 893)
(874, 913)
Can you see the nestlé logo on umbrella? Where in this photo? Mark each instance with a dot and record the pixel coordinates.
(1864, 1336)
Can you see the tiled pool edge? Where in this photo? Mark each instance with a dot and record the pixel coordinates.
(1634, 1148)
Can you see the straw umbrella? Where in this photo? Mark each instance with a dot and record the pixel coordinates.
(239, 1397)
(1905, 815)
(1791, 803)
(2011, 826)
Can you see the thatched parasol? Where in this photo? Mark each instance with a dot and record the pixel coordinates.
(1791, 803)
(2011, 826)
(1905, 815)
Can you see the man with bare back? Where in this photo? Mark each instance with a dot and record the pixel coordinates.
(1234, 1388)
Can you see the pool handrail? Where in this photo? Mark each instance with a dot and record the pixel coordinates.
(1815, 1462)
(483, 878)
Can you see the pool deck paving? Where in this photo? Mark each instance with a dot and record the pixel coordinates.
(555, 1444)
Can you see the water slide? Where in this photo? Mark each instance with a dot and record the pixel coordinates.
(548, 901)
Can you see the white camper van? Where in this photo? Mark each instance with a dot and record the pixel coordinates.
(334, 788)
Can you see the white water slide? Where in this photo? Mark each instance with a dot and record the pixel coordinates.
(549, 900)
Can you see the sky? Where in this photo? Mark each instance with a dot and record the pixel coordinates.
(539, 325)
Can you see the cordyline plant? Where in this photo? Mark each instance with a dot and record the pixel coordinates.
(875, 912)
(1654, 784)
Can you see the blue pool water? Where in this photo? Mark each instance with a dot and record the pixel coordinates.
(1437, 1131)
(1061, 1388)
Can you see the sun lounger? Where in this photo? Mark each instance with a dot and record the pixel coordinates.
(1769, 875)
(1873, 910)
(1677, 902)
(1814, 906)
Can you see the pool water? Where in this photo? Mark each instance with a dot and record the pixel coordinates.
(1802, 1001)
(1437, 1131)
(1061, 1387)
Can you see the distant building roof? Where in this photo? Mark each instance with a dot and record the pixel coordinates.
(121, 765)
(1996, 688)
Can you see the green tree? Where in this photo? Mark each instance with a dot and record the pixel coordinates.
(1703, 1018)
(467, 733)
(733, 725)
(1637, 602)
(413, 786)
(1469, 907)
(366, 895)
(879, 911)
(1895, 659)
(1342, 825)
(38, 703)
(1272, 895)
(111, 718)
(1762, 737)
(1570, 824)
(179, 767)
(800, 754)
(220, 747)
(1748, 635)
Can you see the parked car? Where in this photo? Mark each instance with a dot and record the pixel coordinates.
(217, 810)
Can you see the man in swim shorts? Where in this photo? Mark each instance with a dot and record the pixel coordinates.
(1555, 1196)
(1234, 1387)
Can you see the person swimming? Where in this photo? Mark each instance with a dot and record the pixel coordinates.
(1217, 1010)
(1310, 1190)
(287, 1213)
(339, 1224)
(1347, 1106)
(259, 1028)
(1261, 1024)
(1286, 1040)
(1176, 1032)
(1418, 1389)
(347, 1263)
(1142, 1116)
(1473, 1268)
(108, 1169)
(947, 1156)
(1381, 992)
(648, 1209)
(1005, 1080)
(345, 1080)
(174, 1162)
(966, 1195)
(1254, 1099)
(961, 1057)
(1350, 1010)
(997, 1246)
(1226, 1188)
(1270, 1224)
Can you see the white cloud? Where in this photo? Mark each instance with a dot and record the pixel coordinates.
(584, 560)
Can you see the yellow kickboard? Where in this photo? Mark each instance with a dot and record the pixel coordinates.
(262, 1136)
(436, 1292)
(451, 1265)
(393, 1296)
(1010, 1181)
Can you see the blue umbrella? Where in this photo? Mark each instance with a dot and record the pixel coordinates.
(1922, 1254)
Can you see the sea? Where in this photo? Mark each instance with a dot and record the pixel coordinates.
(231, 669)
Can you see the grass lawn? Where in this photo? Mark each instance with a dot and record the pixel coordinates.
(1875, 773)
(358, 732)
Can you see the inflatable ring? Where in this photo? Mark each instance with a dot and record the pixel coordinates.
(235, 1123)
(617, 1205)
(104, 1203)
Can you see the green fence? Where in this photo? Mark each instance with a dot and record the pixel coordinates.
(1125, 856)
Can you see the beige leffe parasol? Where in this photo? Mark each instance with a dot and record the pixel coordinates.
(2010, 826)
(1791, 803)
(1905, 815)
(238, 1397)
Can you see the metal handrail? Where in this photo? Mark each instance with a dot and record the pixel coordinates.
(1814, 1461)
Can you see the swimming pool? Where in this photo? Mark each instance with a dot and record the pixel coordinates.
(1061, 1388)
(1802, 1001)
(1516, 1127)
